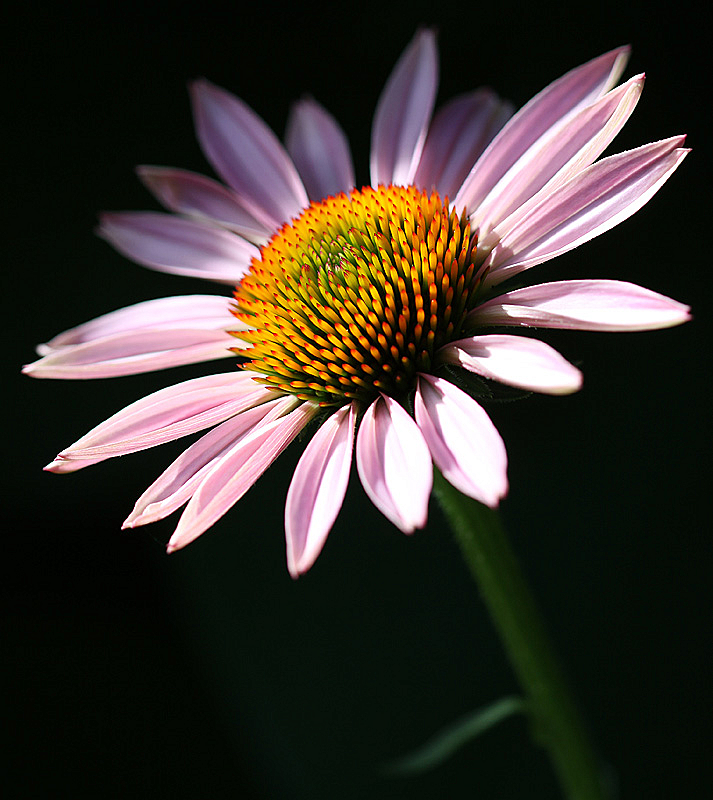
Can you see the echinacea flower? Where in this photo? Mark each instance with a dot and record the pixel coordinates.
(359, 308)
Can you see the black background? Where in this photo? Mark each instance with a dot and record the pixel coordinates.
(211, 673)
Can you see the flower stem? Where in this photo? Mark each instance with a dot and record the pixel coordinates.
(556, 724)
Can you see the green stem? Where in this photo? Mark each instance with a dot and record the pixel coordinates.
(555, 721)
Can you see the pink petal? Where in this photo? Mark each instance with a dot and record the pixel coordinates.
(194, 311)
(197, 196)
(165, 415)
(236, 472)
(176, 485)
(394, 464)
(133, 353)
(515, 360)
(319, 149)
(464, 443)
(591, 203)
(179, 246)
(317, 489)
(247, 155)
(572, 91)
(562, 152)
(595, 305)
(403, 112)
(458, 135)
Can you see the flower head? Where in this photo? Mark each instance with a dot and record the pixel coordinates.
(362, 309)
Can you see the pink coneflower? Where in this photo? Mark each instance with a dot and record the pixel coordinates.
(359, 308)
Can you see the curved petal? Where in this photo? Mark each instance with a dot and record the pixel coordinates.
(595, 305)
(179, 246)
(591, 203)
(464, 443)
(236, 472)
(320, 150)
(192, 311)
(163, 416)
(247, 155)
(403, 112)
(458, 135)
(176, 485)
(133, 353)
(317, 489)
(554, 103)
(197, 196)
(394, 464)
(559, 154)
(515, 360)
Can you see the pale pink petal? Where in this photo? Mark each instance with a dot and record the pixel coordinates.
(320, 150)
(179, 246)
(197, 196)
(595, 200)
(458, 135)
(576, 89)
(594, 305)
(165, 415)
(176, 485)
(133, 353)
(403, 112)
(515, 360)
(236, 472)
(394, 464)
(247, 155)
(193, 311)
(558, 155)
(464, 443)
(317, 489)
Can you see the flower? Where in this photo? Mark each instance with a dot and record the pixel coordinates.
(361, 309)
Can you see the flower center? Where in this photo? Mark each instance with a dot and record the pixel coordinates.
(356, 295)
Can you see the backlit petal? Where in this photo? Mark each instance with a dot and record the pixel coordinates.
(595, 305)
(403, 113)
(576, 89)
(464, 443)
(394, 464)
(247, 155)
(317, 489)
(319, 149)
(179, 246)
(165, 415)
(176, 485)
(236, 472)
(197, 196)
(515, 360)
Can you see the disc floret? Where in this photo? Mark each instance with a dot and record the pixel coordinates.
(356, 295)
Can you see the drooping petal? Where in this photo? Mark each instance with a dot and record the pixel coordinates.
(594, 305)
(179, 246)
(595, 200)
(464, 443)
(458, 135)
(133, 353)
(394, 464)
(317, 489)
(197, 196)
(247, 155)
(515, 360)
(176, 485)
(319, 149)
(559, 154)
(194, 311)
(165, 415)
(403, 112)
(576, 89)
(236, 472)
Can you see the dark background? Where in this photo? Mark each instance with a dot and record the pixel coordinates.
(211, 673)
